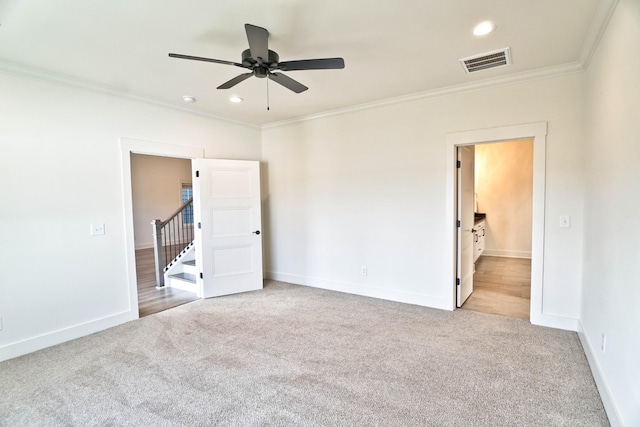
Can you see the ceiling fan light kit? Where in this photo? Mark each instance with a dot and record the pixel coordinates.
(263, 62)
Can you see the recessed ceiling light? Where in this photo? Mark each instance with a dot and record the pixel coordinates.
(235, 99)
(484, 28)
(189, 99)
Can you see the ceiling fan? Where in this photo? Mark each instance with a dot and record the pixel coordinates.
(264, 62)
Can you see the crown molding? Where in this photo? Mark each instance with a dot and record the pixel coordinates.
(597, 28)
(20, 70)
(599, 23)
(542, 73)
(604, 11)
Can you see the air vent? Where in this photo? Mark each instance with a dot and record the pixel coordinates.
(497, 58)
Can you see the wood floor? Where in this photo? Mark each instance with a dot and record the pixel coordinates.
(501, 286)
(150, 299)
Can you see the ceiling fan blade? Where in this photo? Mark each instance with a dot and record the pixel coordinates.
(312, 64)
(258, 38)
(197, 58)
(234, 81)
(287, 82)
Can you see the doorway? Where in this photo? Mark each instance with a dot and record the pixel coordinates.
(536, 132)
(134, 146)
(159, 186)
(500, 211)
(227, 211)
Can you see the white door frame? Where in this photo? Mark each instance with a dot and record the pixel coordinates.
(532, 131)
(138, 146)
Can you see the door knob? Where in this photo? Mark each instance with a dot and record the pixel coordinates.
(256, 232)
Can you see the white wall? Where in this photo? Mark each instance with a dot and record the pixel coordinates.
(363, 188)
(156, 185)
(61, 170)
(368, 188)
(504, 189)
(611, 299)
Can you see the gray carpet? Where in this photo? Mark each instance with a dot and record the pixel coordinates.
(298, 356)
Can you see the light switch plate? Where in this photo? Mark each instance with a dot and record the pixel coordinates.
(97, 229)
(565, 221)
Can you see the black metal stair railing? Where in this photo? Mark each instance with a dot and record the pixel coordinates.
(170, 237)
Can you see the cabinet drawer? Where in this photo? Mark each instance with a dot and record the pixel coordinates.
(479, 238)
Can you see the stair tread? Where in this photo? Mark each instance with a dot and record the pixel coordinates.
(184, 276)
(190, 262)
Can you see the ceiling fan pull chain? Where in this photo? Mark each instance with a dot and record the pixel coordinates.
(267, 93)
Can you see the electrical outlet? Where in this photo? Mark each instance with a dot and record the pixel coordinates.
(97, 229)
(603, 343)
(363, 270)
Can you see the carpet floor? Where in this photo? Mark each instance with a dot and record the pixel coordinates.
(297, 356)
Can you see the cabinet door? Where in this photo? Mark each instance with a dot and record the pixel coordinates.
(476, 246)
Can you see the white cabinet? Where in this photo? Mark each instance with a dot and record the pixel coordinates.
(479, 234)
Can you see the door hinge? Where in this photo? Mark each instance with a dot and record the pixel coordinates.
(201, 276)
(200, 225)
(458, 223)
(457, 282)
(458, 165)
(198, 173)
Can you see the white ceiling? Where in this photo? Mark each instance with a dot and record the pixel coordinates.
(391, 49)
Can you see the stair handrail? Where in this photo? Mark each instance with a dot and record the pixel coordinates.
(160, 236)
(176, 212)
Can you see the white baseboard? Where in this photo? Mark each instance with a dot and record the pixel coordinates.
(601, 382)
(556, 322)
(39, 342)
(507, 254)
(357, 289)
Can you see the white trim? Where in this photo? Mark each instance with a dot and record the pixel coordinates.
(597, 28)
(130, 146)
(599, 23)
(600, 379)
(24, 71)
(357, 289)
(49, 339)
(556, 322)
(543, 73)
(537, 132)
(507, 254)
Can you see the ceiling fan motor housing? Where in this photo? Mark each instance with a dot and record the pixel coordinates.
(260, 69)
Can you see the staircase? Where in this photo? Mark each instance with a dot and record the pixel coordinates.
(181, 273)
(173, 240)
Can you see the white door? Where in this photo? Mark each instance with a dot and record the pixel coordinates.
(226, 198)
(466, 218)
